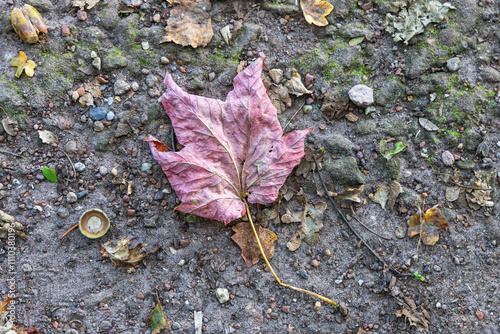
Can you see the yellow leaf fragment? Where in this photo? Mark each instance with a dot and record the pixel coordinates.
(427, 226)
(315, 11)
(121, 254)
(23, 64)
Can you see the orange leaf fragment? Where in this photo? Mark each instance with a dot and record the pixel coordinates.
(427, 226)
(245, 238)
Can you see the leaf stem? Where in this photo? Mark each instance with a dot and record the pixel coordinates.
(343, 310)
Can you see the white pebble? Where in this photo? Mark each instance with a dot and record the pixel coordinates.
(222, 295)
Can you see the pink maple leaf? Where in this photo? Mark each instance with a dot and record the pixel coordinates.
(232, 150)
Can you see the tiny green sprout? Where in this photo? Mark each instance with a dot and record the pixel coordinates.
(418, 276)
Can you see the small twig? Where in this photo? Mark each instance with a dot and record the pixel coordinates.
(293, 116)
(343, 310)
(67, 232)
(173, 140)
(369, 229)
(220, 11)
(394, 271)
(71, 162)
(14, 154)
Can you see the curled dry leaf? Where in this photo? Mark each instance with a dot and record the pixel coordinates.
(158, 321)
(121, 254)
(83, 3)
(351, 194)
(315, 11)
(10, 126)
(381, 195)
(189, 24)
(28, 23)
(427, 226)
(417, 319)
(233, 150)
(295, 85)
(394, 192)
(47, 137)
(311, 221)
(226, 34)
(481, 196)
(249, 248)
(452, 193)
(280, 97)
(307, 164)
(23, 65)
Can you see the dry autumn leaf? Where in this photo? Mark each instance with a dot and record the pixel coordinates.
(189, 24)
(23, 65)
(248, 244)
(315, 11)
(295, 85)
(427, 226)
(121, 254)
(311, 221)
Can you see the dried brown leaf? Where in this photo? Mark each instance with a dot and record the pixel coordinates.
(188, 25)
(452, 193)
(414, 318)
(311, 220)
(121, 254)
(295, 85)
(315, 11)
(427, 226)
(351, 194)
(47, 137)
(381, 195)
(394, 192)
(245, 238)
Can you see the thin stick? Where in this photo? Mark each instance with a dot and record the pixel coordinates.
(293, 117)
(343, 310)
(71, 162)
(12, 153)
(71, 229)
(394, 271)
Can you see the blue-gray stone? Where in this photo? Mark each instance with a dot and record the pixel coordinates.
(110, 116)
(98, 113)
(82, 194)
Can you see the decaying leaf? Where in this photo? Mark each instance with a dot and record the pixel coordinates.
(83, 3)
(280, 98)
(189, 24)
(233, 150)
(245, 238)
(427, 226)
(388, 154)
(10, 126)
(417, 319)
(295, 85)
(428, 125)
(47, 137)
(315, 11)
(356, 41)
(452, 193)
(158, 321)
(311, 221)
(351, 194)
(481, 195)
(412, 21)
(23, 65)
(28, 23)
(394, 192)
(381, 195)
(226, 34)
(121, 254)
(307, 165)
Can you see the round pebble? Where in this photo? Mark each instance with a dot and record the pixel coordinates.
(27, 268)
(71, 197)
(176, 326)
(80, 167)
(146, 166)
(447, 158)
(103, 170)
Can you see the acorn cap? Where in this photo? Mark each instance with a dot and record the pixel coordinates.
(94, 223)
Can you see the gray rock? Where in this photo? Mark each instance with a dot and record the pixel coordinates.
(113, 62)
(465, 164)
(125, 29)
(41, 5)
(484, 52)
(135, 86)
(105, 325)
(98, 113)
(490, 74)
(390, 169)
(395, 126)
(27, 268)
(468, 70)
(337, 144)
(154, 92)
(151, 80)
(71, 197)
(97, 63)
(447, 158)
(70, 147)
(449, 37)
(389, 92)
(93, 35)
(101, 140)
(121, 87)
(418, 61)
(98, 126)
(471, 140)
(466, 14)
(281, 9)
(109, 17)
(195, 84)
(96, 299)
(453, 64)
(449, 214)
(344, 171)
(9, 99)
(247, 34)
(355, 29)
(361, 95)
(71, 331)
(176, 326)
(122, 129)
(80, 167)
(63, 212)
(103, 170)
(365, 127)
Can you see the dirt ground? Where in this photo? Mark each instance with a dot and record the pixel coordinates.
(447, 75)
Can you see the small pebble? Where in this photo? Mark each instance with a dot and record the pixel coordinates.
(93, 55)
(97, 63)
(146, 166)
(447, 158)
(27, 268)
(315, 263)
(176, 326)
(164, 60)
(82, 194)
(139, 295)
(114, 172)
(79, 167)
(134, 86)
(103, 170)
(130, 212)
(71, 197)
(157, 18)
(98, 126)
(145, 45)
(110, 116)
(222, 294)
(479, 315)
(438, 305)
(181, 263)
(65, 31)
(317, 306)
(82, 15)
